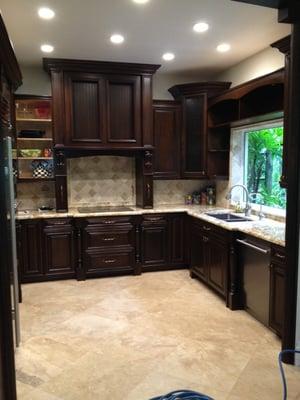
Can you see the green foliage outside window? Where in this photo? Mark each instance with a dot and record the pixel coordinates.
(263, 166)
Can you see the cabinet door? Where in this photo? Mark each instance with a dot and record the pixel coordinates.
(198, 262)
(167, 137)
(59, 251)
(124, 111)
(177, 239)
(85, 110)
(277, 297)
(195, 136)
(31, 268)
(216, 259)
(154, 243)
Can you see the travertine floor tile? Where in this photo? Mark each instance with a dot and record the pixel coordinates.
(131, 338)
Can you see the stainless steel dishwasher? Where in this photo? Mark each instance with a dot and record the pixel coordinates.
(255, 265)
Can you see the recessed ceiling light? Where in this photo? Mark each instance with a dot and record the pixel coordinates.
(46, 13)
(140, 1)
(47, 48)
(117, 39)
(168, 56)
(201, 27)
(223, 47)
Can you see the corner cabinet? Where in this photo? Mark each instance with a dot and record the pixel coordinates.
(101, 105)
(194, 99)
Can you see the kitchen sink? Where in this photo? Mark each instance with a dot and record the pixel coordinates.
(228, 217)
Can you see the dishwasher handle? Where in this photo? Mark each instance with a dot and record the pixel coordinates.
(252, 246)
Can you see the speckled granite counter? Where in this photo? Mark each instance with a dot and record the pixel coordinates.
(267, 229)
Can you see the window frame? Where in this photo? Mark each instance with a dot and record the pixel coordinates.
(238, 141)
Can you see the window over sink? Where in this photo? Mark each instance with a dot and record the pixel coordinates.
(256, 162)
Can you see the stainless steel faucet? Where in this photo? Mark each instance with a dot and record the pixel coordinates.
(260, 214)
(248, 205)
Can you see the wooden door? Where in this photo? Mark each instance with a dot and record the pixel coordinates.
(195, 136)
(198, 262)
(167, 139)
(124, 111)
(277, 283)
(216, 259)
(58, 246)
(154, 242)
(177, 239)
(85, 110)
(31, 268)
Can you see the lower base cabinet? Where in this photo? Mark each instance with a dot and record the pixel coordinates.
(163, 243)
(210, 255)
(277, 289)
(106, 246)
(58, 248)
(46, 250)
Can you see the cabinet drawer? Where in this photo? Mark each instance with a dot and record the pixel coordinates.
(96, 261)
(106, 238)
(108, 221)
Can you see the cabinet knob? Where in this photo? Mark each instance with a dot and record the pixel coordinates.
(205, 239)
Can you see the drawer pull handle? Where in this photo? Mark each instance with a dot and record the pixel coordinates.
(206, 228)
(154, 219)
(109, 222)
(111, 239)
(280, 256)
(112, 261)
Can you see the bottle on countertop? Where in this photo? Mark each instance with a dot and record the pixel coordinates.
(211, 195)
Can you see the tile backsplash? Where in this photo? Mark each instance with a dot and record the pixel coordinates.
(101, 180)
(32, 195)
(173, 192)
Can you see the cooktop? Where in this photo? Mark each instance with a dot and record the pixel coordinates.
(98, 209)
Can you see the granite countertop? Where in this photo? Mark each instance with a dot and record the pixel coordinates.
(267, 229)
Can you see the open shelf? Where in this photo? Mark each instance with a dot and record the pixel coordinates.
(34, 139)
(39, 120)
(34, 158)
(31, 179)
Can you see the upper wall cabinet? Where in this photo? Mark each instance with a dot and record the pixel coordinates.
(194, 99)
(167, 135)
(101, 104)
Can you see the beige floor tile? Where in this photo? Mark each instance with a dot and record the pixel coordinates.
(132, 338)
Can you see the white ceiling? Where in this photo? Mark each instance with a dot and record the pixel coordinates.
(82, 28)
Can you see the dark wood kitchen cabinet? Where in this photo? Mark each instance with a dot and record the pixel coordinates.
(163, 244)
(85, 109)
(58, 248)
(154, 242)
(101, 105)
(277, 289)
(167, 139)
(106, 246)
(210, 255)
(194, 98)
(30, 251)
(46, 250)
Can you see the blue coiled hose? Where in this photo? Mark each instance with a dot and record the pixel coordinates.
(282, 370)
(183, 394)
(190, 395)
